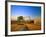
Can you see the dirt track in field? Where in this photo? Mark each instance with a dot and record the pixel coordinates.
(24, 27)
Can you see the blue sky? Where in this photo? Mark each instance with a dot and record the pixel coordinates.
(33, 11)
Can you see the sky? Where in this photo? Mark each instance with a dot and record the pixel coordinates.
(18, 10)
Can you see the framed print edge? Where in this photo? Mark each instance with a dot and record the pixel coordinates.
(6, 18)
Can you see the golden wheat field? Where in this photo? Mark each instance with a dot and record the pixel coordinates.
(26, 25)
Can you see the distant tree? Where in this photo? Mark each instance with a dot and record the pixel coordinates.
(20, 18)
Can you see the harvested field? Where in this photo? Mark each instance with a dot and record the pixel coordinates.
(24, 26)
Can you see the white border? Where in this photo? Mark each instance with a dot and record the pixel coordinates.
(24, 32)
